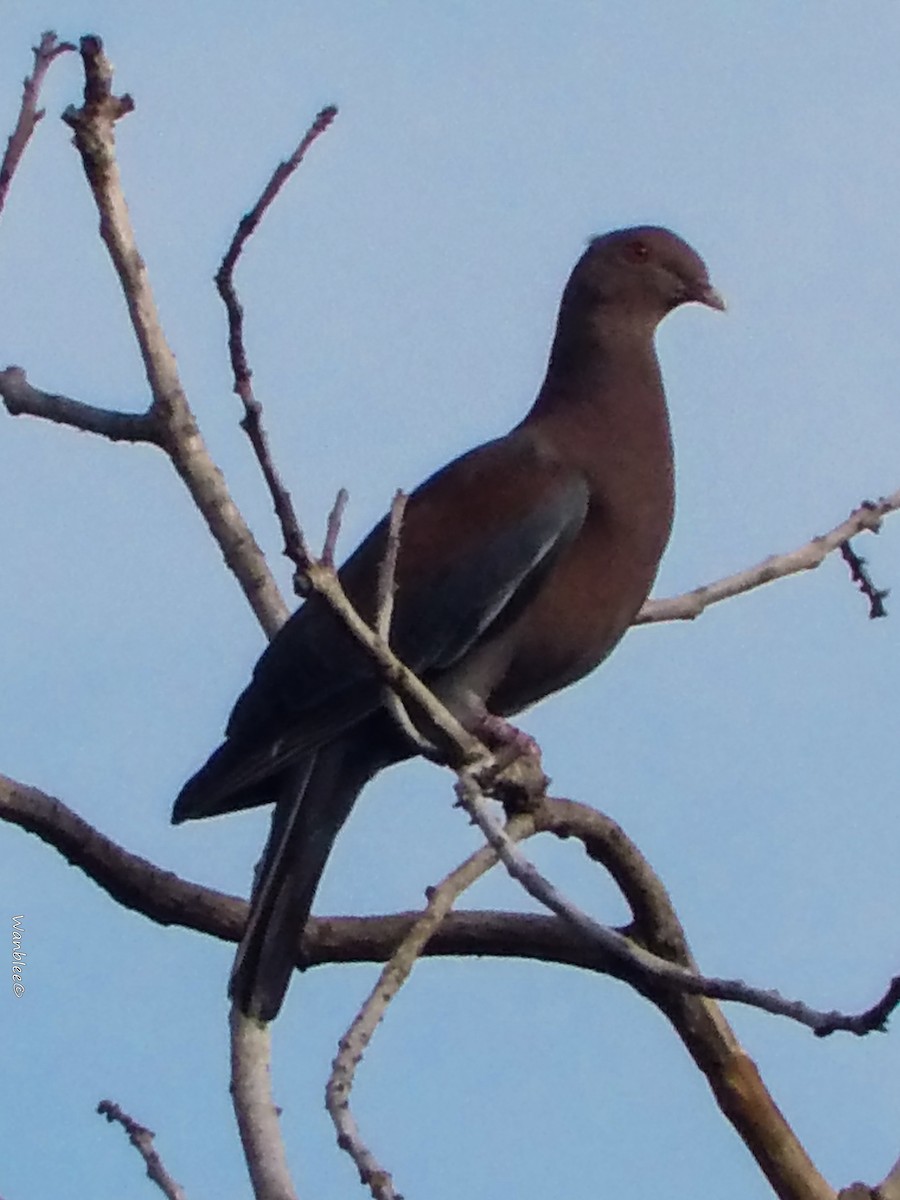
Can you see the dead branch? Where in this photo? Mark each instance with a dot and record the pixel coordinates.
(865, 519)
(142, 1140)
(384, 612)
(355, 1041)
(889, 1188)
(295, 547)
(21, 399)
(859, 575)
(256, 1113)
(246, 227)
(167, 899)
(333, 527)
(47, 50)
(93, 126)
(697, 1020)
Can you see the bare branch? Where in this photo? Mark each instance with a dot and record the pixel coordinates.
(295, 547)
(871, 1020)
(257, 1116)
(29, 114)
(699, 1022)
(167, 899)
(333, 529)
(461, 745)
(866, 518)
(637, 962)
(889, 1188)
(863, 580)
(21, 399)
(247, 226)
(130, 880)
(169, 421)
(384, 613)
(355, 1041)
(387, 570)
(142, 1140)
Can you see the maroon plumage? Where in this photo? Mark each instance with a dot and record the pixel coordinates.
(521, 565)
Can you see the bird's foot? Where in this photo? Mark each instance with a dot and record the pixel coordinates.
(515, 777)
(505, 739)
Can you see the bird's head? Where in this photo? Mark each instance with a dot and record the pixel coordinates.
(642, 272)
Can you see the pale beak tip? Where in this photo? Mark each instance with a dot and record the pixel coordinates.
(713, 298)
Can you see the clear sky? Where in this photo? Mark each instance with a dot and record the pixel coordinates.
(400, 302)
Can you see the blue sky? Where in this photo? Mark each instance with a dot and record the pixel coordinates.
(400, 301)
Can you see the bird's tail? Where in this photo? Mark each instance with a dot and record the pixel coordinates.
(317, 796)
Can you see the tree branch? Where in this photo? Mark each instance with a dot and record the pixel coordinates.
(257, 1116)
(355, 1041)
(867, 518)
(662, 968)
(246, 228)
(45, 53)
(295, 547)
(142, 1140)
(859, 574)
(21, 399)
(176, 428)
(167, 899)
(698, 1021)
(889, 1188)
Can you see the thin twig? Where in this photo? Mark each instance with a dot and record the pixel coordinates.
(384, 614)
(863, 580)
(333, 527)
(45, 52)
(461, 744)
(246, 227)
(355, 1041)
(142, 1140)
(870, 1020)
(295, 547)
(866, 518)
(386, 583)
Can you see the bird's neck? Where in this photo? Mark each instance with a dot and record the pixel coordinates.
(602, 407)
(597, 363)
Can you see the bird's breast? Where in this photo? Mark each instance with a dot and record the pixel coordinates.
(590, 598)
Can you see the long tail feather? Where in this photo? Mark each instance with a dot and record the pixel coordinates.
(316, 801)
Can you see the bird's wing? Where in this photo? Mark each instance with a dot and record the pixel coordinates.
(477, 540)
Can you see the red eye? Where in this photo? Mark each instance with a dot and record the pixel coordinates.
(637, 251)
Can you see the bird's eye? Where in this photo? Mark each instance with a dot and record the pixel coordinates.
(637, 251)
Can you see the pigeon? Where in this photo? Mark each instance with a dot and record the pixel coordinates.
(520, 566)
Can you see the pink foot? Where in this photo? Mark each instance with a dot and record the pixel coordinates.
(500, 734)
(516, 777)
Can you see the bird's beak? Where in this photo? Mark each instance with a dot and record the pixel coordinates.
(711, 297)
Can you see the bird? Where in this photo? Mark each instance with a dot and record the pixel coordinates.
(520, 566)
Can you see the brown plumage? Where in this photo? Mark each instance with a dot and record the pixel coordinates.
(521, 565)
